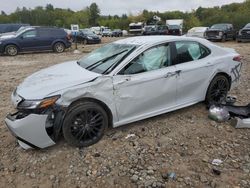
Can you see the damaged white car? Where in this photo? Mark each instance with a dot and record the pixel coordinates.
(122, 82)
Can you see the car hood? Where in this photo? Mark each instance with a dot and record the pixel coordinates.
(4, 37)
(53, 79)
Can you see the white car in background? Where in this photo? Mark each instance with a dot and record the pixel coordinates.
(119, 83)
(197, 32)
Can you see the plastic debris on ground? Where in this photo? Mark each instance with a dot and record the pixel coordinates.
(129, 136)
(217, 162)
(239, 115)
(171, 176)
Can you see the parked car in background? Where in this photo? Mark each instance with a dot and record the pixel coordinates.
(87, 36)
(12, 34)
(197, 32)
(6, 28)
(36, 39)
(116, 33)
(136, 28)
(221, 32)
(120, 83)
(244, 34)
(156, 30)
(174, 30)
(106, 33)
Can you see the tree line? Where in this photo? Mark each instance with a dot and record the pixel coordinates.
(235, 13)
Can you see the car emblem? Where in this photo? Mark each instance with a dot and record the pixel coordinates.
(248, 32)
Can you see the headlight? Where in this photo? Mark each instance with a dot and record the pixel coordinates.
(220, 33)
(239, 33)
(89, 37)
(35, 104)
(0, 42)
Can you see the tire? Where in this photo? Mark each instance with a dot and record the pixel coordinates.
(217, 90)
(80, 131)
(11, 50)
(224, 38)
(59, 47)
(85, 42)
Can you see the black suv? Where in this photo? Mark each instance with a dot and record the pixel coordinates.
(221, 32)
(36, 39)
(244, 34)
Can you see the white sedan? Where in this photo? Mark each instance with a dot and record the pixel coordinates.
(122, 82)
(197, 32)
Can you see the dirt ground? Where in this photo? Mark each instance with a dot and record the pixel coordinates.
(184, 142)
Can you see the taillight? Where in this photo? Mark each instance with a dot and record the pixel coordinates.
(238, 58)
(68, 37)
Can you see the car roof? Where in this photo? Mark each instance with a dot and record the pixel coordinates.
(151, 40)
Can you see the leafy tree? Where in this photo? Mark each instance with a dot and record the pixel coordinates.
(94, 14)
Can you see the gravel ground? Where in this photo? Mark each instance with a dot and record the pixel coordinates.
(183, 142)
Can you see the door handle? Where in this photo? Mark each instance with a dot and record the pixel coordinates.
(208, 64)
(170, 74)
(123, 81)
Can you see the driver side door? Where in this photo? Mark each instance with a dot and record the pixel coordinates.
(146, 86)
(28, 41)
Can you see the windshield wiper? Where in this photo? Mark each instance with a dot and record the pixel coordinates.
(96, 64)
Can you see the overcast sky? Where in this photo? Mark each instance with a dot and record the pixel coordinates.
(116, 6)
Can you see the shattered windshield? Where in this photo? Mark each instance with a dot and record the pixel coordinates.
(105, 59)
(219, 26)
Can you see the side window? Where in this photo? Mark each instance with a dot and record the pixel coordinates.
(44, 33)
(151, 59)
(190, 51)
(29, 34)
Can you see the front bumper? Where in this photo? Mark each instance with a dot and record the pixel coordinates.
(243, 38)
(30, 130)
(94, 41)
(216, 37)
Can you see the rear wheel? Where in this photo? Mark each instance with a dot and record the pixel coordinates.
(85, 124)
(59, 47)
(11, 50)
(217, 90)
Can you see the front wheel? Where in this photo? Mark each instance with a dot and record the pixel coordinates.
(11, 50)
(85, 124)
(217, 90)
(59, 47)
(224, 38)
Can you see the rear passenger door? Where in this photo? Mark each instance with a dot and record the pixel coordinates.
(194, 68)
(45, 38)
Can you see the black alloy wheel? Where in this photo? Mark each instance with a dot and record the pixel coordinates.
(85, 124)
(217, 90)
